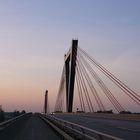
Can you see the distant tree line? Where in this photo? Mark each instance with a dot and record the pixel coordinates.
(7, 115)
(17, 113)
(2, 116)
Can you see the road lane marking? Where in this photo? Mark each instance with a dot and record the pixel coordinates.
(136, 131)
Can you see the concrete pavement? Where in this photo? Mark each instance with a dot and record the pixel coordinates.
(29, 128)
(129, 130)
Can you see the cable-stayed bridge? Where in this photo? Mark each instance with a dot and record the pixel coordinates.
(87, 97)
(80, 71)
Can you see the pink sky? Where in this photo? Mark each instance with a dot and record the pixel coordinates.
(34, 36)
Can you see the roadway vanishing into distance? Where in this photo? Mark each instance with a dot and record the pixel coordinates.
(30, 127)
(128, 130)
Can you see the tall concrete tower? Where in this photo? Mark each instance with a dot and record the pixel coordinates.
(46, 102)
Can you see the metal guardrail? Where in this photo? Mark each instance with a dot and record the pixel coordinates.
(78, 131)
(63, 135)
(10, 121)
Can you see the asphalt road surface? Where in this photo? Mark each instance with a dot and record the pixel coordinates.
(30, 127)
(128, 130)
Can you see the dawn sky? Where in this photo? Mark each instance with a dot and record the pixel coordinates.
(35, 35)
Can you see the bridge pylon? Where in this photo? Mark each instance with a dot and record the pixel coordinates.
(46, 102)
(70, 65)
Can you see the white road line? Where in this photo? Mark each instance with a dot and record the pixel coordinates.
(136, 131)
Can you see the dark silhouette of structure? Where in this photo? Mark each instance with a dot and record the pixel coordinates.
(70, 65)
(87, 72)
(46, 102)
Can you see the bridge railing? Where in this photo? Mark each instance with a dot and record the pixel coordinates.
(10, 121)
(78, 131)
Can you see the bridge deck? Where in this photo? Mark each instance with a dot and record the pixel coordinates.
(31, 128)
(129, 130)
